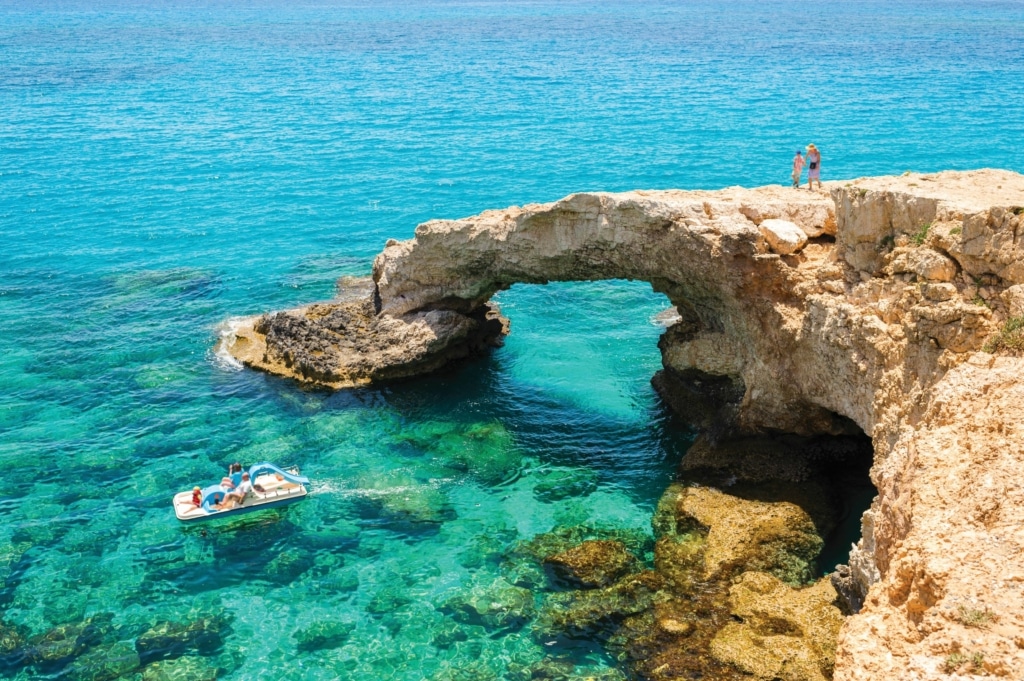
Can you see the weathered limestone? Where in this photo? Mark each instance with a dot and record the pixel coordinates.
(783, 236)
(781, 633)
(880, 330)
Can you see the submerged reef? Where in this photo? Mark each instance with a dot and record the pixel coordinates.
(891, 307)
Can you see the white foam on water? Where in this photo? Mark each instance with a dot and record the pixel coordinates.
(227, 331)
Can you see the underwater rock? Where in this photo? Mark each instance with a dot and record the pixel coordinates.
(288, 565)
(485, 451)
(494, 606)
(596, 612)
(447, 635)
(340, 581)
(186, 668)
(679, 560)
(105, 663)
(559, 484)
(402, 499)
(548, 669)
(523, 562)
(323, 636)
(486, 548)
(11, 638)
(557, 669)
(595, 563)
(173, 639)
(10, 555)
(473, 671)
(780, 632)
(564, 538)
(68, 640)
(387, 600)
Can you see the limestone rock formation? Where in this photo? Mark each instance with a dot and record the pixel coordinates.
(783, 236)
(779, 632)
(879, 323)
(345, 343)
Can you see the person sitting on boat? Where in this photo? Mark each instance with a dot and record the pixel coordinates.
(197, 496)
(237, 495)
(234, 477)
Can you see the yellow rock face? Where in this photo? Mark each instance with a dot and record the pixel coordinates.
(768, 533)
(785, 633)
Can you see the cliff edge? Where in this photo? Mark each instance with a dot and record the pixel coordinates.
(892, 305)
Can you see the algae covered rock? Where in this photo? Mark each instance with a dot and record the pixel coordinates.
(595, 563)
(780, 632)
(10, 555)
(399, 497)
(68, 640)
(523, 563)
(11, 638)
(495, 605)
(323, 635)
(448, 634)
(187, 668)
(596, 612)
(484, 450)
(565, 483)
(173, 639)
(105, 663)
(288, 565)
(387, 600)
(560, 669)
(473, 671)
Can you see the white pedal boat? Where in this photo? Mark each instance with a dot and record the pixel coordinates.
(272, 486)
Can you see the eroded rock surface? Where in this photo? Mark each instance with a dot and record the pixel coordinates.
(595, 563)
(880, 322)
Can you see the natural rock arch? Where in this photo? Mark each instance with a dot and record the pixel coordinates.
(880, 319)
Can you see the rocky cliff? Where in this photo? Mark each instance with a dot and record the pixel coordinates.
(891, 305)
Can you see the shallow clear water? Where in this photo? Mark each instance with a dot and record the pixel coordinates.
(166, 166)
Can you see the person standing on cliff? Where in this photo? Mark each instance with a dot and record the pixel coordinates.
(798, 168)
(813, 166)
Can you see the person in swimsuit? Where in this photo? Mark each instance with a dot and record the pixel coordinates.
(798, 169)
(233, 478)
(813, 166)
(197, 497)
(237, 495)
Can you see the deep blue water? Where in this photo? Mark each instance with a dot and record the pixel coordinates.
(165, 166)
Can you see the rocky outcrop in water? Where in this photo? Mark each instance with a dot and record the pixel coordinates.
(900, 317)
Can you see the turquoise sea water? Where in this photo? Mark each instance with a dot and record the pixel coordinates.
(165, 166)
